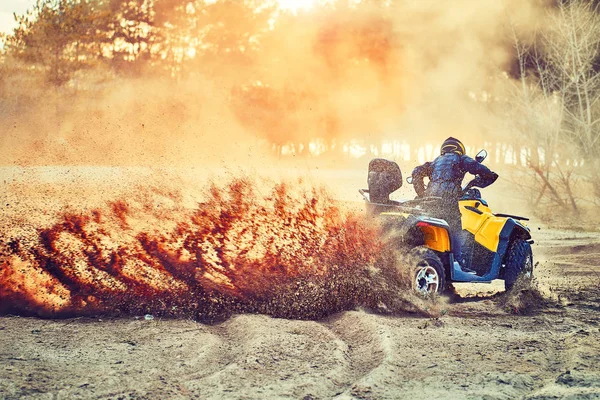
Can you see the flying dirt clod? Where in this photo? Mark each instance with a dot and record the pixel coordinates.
(291, 253)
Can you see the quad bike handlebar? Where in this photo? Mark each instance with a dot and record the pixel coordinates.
(477, 181)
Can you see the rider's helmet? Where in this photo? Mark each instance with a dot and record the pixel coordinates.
(452, 145)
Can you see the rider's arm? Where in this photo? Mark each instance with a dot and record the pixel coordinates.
(418, 175)
(485, 176)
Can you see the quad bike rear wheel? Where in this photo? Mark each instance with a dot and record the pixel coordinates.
(428, 274)
(518, 262)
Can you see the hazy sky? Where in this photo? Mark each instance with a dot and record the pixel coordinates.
(7, 8)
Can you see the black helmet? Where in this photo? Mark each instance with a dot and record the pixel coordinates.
(452, 145)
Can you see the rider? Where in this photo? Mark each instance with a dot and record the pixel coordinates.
(445, 175)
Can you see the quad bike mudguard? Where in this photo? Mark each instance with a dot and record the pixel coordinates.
(435, 231)
(492, 235)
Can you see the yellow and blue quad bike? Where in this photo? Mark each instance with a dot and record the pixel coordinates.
(494, 246)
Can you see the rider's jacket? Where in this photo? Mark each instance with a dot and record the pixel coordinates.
(446, 173)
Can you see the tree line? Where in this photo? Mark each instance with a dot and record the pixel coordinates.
(553, 107)
(80, 45)
(549, 105)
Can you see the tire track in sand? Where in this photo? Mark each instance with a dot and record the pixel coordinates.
(370, 349)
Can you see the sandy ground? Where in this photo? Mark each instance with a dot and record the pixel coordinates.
(475, 352)
(476, 349)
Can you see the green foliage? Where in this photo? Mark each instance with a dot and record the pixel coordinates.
(59, 36)
(259, 53)
(62, 37)
(180, 36)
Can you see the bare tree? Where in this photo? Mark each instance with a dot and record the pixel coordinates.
(570, 47)
(553, 107)
(535, 115)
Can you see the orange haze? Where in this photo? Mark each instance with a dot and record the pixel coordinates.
(409, 72)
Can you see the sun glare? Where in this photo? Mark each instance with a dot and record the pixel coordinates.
(296, 5)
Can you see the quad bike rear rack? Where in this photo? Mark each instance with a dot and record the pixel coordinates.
(406, 205)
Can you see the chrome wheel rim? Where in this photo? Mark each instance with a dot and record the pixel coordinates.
(427, 280)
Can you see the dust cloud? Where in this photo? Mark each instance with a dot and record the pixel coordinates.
(286, 252)
(75, 158)
(409, 71)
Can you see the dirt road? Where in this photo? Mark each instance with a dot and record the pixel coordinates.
(476, 350)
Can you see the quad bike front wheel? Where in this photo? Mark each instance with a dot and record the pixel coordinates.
(518, 262)
(428, 275)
